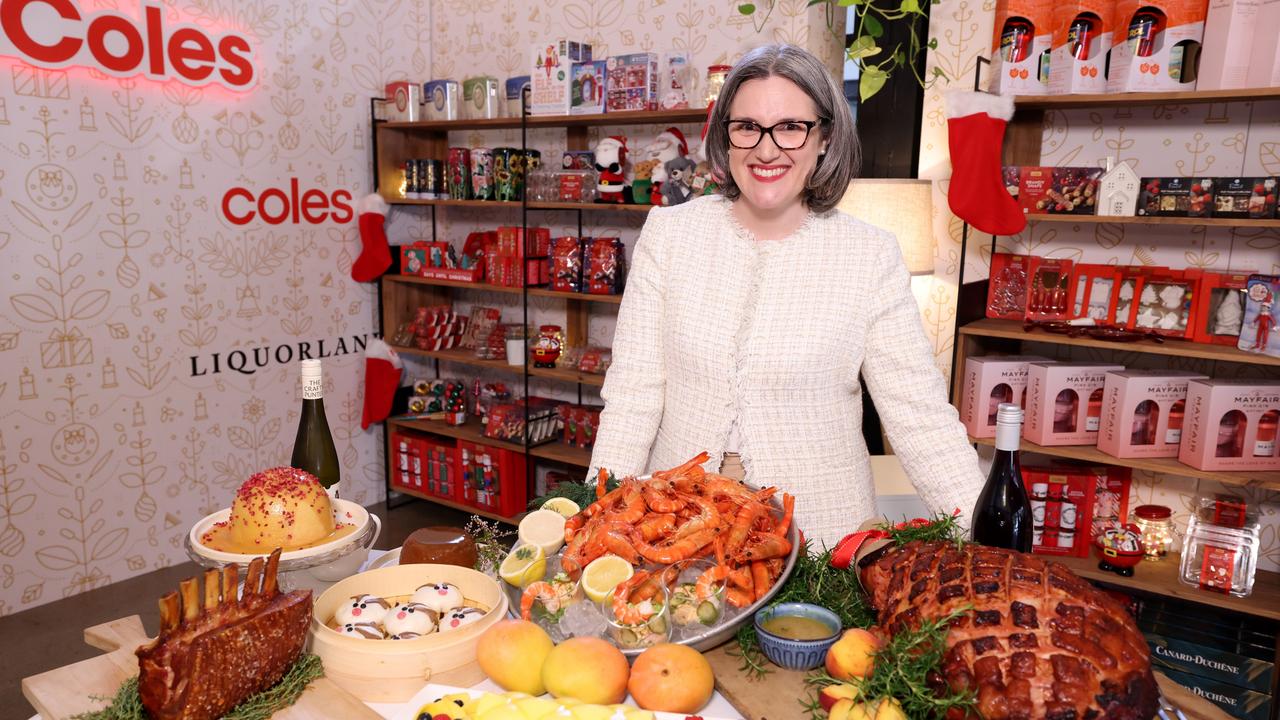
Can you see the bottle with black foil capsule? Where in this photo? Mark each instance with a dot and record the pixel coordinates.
(1002, 517)
(313, 449)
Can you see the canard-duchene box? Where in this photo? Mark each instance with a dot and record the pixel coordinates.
(1020, 48)
(1064, 402)
(1155, 45)
(989, 381)
(1143, 412)
(1082, 39)
(1231, 425)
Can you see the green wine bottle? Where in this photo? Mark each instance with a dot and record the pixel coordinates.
(313, 449)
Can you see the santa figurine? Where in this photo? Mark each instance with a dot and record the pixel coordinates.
(611, 161)
(669, 145)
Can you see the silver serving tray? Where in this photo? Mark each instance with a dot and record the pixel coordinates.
(701, 638)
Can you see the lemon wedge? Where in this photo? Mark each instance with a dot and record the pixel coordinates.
(544, 528)
(603, 574)
(562, 505)
(523, 565)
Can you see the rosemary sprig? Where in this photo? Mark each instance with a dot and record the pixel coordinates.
(942, 527)
(491, 542)
(753, 662)
(902, 669)
(127, 705)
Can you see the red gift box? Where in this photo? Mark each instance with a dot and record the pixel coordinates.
(1071, 505)
(1219, 306)
(491, 478)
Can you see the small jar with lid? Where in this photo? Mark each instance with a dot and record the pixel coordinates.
(716, 75)
(1155, 525)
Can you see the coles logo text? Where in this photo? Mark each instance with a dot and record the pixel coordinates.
(274, 206)
(59, 33)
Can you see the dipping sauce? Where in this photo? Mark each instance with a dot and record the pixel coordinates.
(796, 627)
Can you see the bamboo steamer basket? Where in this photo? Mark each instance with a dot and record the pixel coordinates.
(393, 670)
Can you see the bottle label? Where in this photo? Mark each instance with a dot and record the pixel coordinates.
(1172, 436)
(1217, 568)
(312, 388)
(1092, 423)
(1264, 448)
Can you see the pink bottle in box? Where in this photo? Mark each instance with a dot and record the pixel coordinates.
(1064, 402)
(1231, 425)
(1143, 411)
(989, 381)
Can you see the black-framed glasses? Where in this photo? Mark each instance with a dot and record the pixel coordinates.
(787, 135)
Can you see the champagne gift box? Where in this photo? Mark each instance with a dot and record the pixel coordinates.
(1064, 402)
(989, 381)
(1143, 411)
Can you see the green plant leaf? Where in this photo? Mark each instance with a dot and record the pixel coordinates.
(873, 78)
(848, 3)
(747, 8)
(909, 6)
(871, 26)
(933, 44)
(864, 46)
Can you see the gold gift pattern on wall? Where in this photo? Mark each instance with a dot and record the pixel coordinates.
(1224, 139)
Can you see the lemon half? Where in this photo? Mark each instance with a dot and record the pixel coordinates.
(523, 565)
(562, 505)
(603, 574)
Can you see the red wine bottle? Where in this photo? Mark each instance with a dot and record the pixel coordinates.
(1002, 517)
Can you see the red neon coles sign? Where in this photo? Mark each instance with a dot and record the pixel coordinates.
(56, 34)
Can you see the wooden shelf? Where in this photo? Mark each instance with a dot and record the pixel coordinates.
(1013, 330)
(455, 505)
(513, 205)
(472, 431)
(559, 452)
(465, 357)
(1167, 466)
(1065, 102)
(567, 375)
(1145, 220)
(1161, 578)
(641, 117)
(584, 297)
(608, 207)
(416, 280)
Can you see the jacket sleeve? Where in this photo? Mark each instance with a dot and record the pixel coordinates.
(634, 386)
(911, 395)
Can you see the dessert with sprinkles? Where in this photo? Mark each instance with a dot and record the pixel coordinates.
(281, 507)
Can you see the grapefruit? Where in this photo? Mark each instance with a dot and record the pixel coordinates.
(672, 678)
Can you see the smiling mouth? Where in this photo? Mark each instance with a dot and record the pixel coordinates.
(768, 174)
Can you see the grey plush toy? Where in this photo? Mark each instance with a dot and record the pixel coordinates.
(675, 189)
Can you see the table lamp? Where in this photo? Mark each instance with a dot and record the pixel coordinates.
(904, 207)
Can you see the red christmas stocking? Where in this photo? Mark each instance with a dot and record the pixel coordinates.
(382, 371)
(975, 131)
(375, 256)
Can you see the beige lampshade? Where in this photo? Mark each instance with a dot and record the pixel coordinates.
(901, 206)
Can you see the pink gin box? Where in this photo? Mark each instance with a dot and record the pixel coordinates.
(1142, 412)
(1231, 425)
(989, 381)
(1064, 402)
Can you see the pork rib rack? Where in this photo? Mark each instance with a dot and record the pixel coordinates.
(211, 655)
(1039, 644)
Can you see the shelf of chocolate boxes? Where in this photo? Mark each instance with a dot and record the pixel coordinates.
(589, 265)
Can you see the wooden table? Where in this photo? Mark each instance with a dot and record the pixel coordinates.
(779, 694)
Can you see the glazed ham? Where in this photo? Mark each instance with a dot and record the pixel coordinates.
(210, 656)
(1039, 644)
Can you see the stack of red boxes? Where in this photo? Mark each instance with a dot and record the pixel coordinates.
(580, 424)
(425, 465)
(507, 262)
(492, 479)
(437, 327)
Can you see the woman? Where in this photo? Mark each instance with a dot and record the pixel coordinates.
(749, 315)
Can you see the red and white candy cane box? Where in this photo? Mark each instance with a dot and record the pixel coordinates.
(1064, 402)
(1061, 509)
(1020, 47)
(1231, 425)
(1155, 45)
(989, 381)
(1143, 412)
(1082, 31)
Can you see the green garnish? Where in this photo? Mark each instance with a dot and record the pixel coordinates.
(524, 553)
(127, 705)
(582, 493)
(491, 541)
(902, 669)
(942, 528)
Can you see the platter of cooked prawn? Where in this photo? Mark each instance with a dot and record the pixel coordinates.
(680, 555)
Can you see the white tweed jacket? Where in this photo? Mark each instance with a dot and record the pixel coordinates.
(717, 326)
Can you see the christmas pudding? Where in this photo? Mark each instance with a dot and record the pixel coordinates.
(278, 508)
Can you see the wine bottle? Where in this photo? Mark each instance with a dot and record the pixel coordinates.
(313, 449)
(1002, 517)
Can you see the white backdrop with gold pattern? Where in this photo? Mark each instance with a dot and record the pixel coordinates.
(1224, 139)
(120, 266)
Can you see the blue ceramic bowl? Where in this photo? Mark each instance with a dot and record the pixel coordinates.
(796, 654)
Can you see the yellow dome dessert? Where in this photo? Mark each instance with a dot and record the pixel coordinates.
(281, 507)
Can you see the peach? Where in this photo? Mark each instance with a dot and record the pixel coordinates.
(890, 709)
(846, 709)
(512, 652)
(853, 655)
(672, 678)
(588, 669)
(831, 694)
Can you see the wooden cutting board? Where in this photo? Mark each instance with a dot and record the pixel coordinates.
(69, 690)
(778, 695)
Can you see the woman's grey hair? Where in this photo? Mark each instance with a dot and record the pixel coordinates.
(829, 180)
